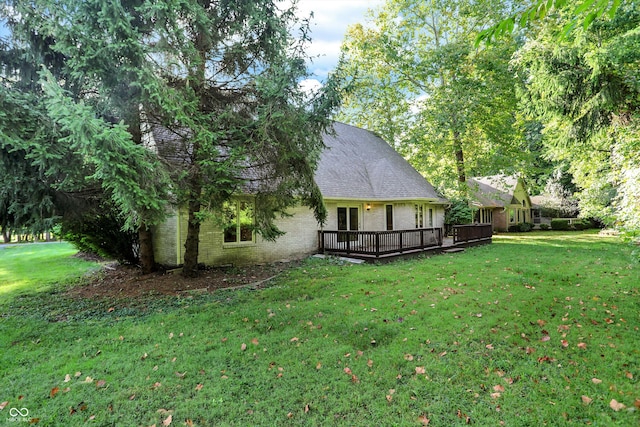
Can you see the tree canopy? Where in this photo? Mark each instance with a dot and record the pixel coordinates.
(420, 83)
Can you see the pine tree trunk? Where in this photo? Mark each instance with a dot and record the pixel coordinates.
(191, 245)
(147, 259)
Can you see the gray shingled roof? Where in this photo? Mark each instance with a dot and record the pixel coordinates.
(359, 165)
(493, 191)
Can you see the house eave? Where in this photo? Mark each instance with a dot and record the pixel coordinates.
(388, 200)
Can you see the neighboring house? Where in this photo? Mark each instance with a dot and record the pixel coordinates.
(500, 200)
(366, 186)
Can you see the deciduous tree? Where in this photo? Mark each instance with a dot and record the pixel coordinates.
(419, 82)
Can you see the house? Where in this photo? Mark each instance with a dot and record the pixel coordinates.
(500, 200)
(366, 186)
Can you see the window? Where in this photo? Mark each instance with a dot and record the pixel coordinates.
(430, 217)
(419, 216)
(238, 219)
(389, 217)
(348, 219)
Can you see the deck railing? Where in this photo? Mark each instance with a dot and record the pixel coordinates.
(466, 233)
(378, 243)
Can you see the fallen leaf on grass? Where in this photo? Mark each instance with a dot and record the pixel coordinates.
(408, 357)
(199, 387)
(424, 420)
(181, 375)
(636, 403)
(616, 406)
(101, 383)
(294, 339)
(243, 347)
(3, 404)
(54, 391)
(564, 343)
(498, 387)
(628, 375)
(255, 341)
(582, 345)
(586, 400)
(168, 420)
(541, 322)
(545, 338)
(67, 378)
(596, 381)
(420, 370)
(495, 395)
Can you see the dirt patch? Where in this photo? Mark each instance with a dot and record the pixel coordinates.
(118, 281)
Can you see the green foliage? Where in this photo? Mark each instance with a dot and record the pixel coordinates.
(545, 226)
(582, 15)
(523, 227)
(458, 212)
(420, 84)
(583, 90)
(560, 224)
(99, 229)
(582, 224)
(356, 344)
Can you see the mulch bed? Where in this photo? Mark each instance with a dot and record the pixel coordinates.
(120, 281)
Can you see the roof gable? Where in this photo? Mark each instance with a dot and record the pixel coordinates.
(357, 164)
(496, 190)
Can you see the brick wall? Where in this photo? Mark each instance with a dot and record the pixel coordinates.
(300, 240)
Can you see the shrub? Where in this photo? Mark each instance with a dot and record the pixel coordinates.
(521, 228)
(560, 224)
(526, 226)
(582, 224)
(98, 229)
(544, 226)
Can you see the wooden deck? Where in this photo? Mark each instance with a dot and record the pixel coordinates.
(389, 245)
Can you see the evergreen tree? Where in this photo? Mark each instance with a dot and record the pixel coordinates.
(242, 122)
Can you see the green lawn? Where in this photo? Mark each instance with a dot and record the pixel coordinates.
(535, 329)
(34, 267)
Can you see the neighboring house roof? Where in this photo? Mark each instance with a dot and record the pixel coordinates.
(493, 191)
(359, 165)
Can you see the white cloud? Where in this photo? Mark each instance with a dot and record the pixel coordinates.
(328, 27)
(310, 86)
